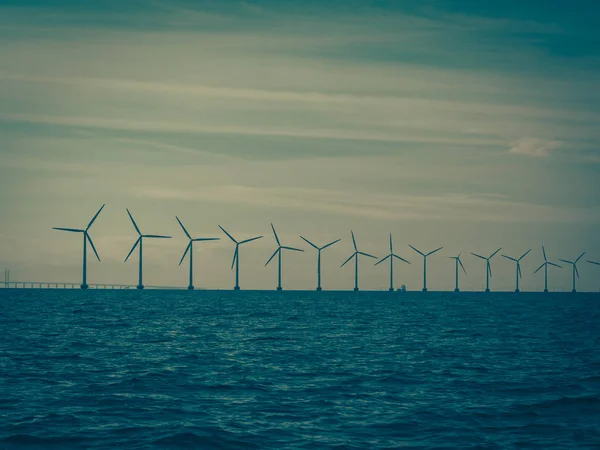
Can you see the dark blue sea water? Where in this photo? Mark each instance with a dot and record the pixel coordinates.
(243, 370)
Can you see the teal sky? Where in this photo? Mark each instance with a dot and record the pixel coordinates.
(457, 124)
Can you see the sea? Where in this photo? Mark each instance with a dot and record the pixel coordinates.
(104, 369)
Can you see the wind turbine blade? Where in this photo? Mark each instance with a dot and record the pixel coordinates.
(593, 262)
(228, 235)
(576, 271)
(544, 252)
(185, 253)
(352, 256)
(366, 254)
(479, 256)
(134, 224)
(94, 218)
(436, 250)
(540, 268)
(555, 265)
(420, 253)
(250, 240)
(382, 260)
(292, 248)
(489, 266)
(508, 257)
(156, 236)
(391, 247)
(308, 242)
(89, 238)
(524, 254)
(72, 230)
(205, 239)
(133, 248)
(275, 234)
(330, 244)
(519, 270)
(580, 256)
(461, 265)
(183, 228)
(565, 261)
(235, 256)
(400, 258)
(354, 241)
(493, 254)
(273, 255)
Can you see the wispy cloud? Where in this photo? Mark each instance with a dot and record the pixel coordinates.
(534, 147)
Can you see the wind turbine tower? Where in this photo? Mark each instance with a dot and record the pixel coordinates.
(457, 262)
(140, 243)
(190, 248)
(488, 268)
(86, 238)
(575, 271)
(518, 261)
(355, 255)
(425, 255)
(391, 257)
(279, 252)
(319, 249)
(545, 266)
(236, 256)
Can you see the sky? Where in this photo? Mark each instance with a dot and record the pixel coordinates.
(455, 124)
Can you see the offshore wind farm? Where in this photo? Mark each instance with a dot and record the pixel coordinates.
(278, 253)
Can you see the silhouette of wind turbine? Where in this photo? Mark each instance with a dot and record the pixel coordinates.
(140, 242)
(575, 271)
(279, 252)
(488, 268)
(425, 255)
(236, 256)
(391, 257)
(518, 261)
(355, 256)
(457, 261)
(545, 266)
(190, 248)
(86, 238)
(319, 258)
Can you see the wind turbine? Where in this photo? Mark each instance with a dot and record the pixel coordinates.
(575, 271)
(518, 261)
(236, 256)
(86, 238)
(545, 266)
(457, 261)
(391, 256)
(319, 258)
(355, 256)
(488, 268)
(279, 252)
(425, 255)
(140, 243)
(190, 248)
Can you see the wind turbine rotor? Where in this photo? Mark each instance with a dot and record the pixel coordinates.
(310, 243)
(351, 256)
(133, 248)
(183, 228)
(382, 260)
(273, 256)
(95, 217)
(133, 221)
(72, 230)
(189, 246)
(434, 251)
(228, 235)
(250, 240)
(418, 251)
(89, 238)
